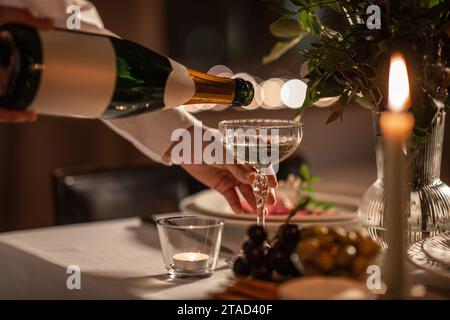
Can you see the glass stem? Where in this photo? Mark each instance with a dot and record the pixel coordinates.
(260, 189)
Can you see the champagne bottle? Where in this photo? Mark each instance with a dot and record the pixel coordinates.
(70, 73)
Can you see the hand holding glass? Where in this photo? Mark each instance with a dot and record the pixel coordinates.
(261, 144)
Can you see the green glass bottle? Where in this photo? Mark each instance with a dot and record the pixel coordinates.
(70, 73)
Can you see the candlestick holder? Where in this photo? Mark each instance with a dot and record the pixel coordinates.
(190, 245)
(428, 212)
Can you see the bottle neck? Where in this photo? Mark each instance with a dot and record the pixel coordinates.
(219, 90)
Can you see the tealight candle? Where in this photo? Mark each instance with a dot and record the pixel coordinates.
(190, 261)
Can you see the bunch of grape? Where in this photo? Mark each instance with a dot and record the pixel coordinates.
(320, 251)
(263, 261)
(335, 251)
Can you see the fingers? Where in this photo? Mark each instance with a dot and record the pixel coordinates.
(247, 193)
(271, 177)
(233, 199)
(226, 187)
(272, 180)
(23, 16)
(244, 174)
(16, 116)
(271, 198)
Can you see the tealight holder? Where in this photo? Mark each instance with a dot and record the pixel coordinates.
(190, 245)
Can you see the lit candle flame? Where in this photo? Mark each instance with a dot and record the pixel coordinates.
(399, 95)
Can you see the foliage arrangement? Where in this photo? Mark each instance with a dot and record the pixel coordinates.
(346, 62)
(306, 199)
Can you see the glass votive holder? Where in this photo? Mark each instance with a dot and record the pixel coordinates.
(190, 245)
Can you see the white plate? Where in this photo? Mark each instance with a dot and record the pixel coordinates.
(214, 204)
(324, 288)
(438, 248)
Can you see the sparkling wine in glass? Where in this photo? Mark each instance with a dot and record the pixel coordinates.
(262, 144)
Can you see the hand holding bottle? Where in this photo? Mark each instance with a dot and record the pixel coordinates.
(20, 16)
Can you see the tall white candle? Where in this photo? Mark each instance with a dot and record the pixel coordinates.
(396, 126)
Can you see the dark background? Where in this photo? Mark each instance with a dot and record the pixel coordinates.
(200, 34)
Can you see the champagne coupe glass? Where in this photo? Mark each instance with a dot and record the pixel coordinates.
(261, 144)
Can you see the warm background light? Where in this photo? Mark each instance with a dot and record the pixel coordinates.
(274, 93)
(220, 71)
(271, 93)
(293, 93)
(399, 94)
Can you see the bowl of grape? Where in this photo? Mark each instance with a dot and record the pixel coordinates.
(296, 252)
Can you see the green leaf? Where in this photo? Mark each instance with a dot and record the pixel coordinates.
(281, 48)
(298, 2)
(309, 22)
(280, 9)
(328, 87)
(314, 179)
(332, 57)
(335, 6)
(429, 3)
(311, 96)
(285, 28)
(321, 205)
(333, 117)
(364, 102)
(304, 172)
(300, 206)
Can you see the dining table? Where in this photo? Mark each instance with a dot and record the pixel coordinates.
(116, 259)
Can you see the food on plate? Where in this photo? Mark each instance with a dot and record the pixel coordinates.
(335, 251)
(295, 193)
(262, 261)
(295, 252)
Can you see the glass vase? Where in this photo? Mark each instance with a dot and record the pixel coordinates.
(429, 208)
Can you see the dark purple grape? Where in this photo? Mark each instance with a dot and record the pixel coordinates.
(241, 267)
(280, 261)
(247, 247)
(284, 246)
(257, 234)
(290, 233)
(261, 272)
(271, 257)
(255, 256)
(275, 253)
(285, 267)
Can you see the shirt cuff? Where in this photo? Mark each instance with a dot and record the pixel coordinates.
(151, 132)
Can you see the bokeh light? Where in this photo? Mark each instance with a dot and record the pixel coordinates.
(193, 108)
(220, 107)
(271, 93)
(221, 71)
(293, 93)
(207, 106)
(258, 99)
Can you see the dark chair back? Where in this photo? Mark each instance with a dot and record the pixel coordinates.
(91, 194)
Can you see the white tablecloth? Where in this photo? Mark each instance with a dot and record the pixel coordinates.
(118, 259)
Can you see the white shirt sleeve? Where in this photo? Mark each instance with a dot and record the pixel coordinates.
(151, 132)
